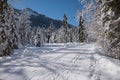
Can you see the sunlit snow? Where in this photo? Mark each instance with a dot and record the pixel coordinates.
(59, 61)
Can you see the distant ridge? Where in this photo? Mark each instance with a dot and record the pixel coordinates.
(41, 20)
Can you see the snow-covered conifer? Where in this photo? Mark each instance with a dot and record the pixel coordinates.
(6, 47)
(24, 27)
(65, 27)
(110, 16)
(81, 30)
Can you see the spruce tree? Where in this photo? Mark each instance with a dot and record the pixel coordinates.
(24, 27)
(6, 47)
(81, 30)
(51, 27)
(65, 27)
(12, 28)
(110, 15)
(38, 39)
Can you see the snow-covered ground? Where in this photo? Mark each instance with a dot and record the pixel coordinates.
(70, 61)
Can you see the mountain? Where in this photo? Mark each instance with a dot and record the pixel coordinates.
(41, 20)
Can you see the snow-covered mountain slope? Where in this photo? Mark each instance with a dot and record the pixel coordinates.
(41, 20)
(31, 12)
(70, 61)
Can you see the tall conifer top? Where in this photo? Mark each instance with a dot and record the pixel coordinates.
(65, 24)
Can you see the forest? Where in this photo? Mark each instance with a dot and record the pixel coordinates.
(98, 23)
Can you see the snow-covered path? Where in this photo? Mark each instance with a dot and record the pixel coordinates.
(59, 62)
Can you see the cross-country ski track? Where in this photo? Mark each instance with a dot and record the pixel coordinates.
(57, 61)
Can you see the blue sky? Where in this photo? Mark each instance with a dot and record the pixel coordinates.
(51, 8)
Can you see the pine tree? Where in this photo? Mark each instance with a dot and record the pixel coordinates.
(24, 27)
(38, 39)
(65, 27)
(81, 30)
(71, 35)
(6, 47)
(51, 27)
(12, 29)
(32, 36)
(50, 32)
(110, 15)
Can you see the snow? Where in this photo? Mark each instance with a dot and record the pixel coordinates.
(59, 61)
(31, 12)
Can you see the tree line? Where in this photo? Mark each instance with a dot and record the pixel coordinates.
(99, 21)
(16, 31)
(103, 24)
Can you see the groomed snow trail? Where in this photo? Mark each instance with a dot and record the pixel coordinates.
(70, 61)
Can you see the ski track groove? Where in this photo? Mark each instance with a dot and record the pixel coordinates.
(76, 60)
(72, 66)
(73, 61)
(94, 75)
